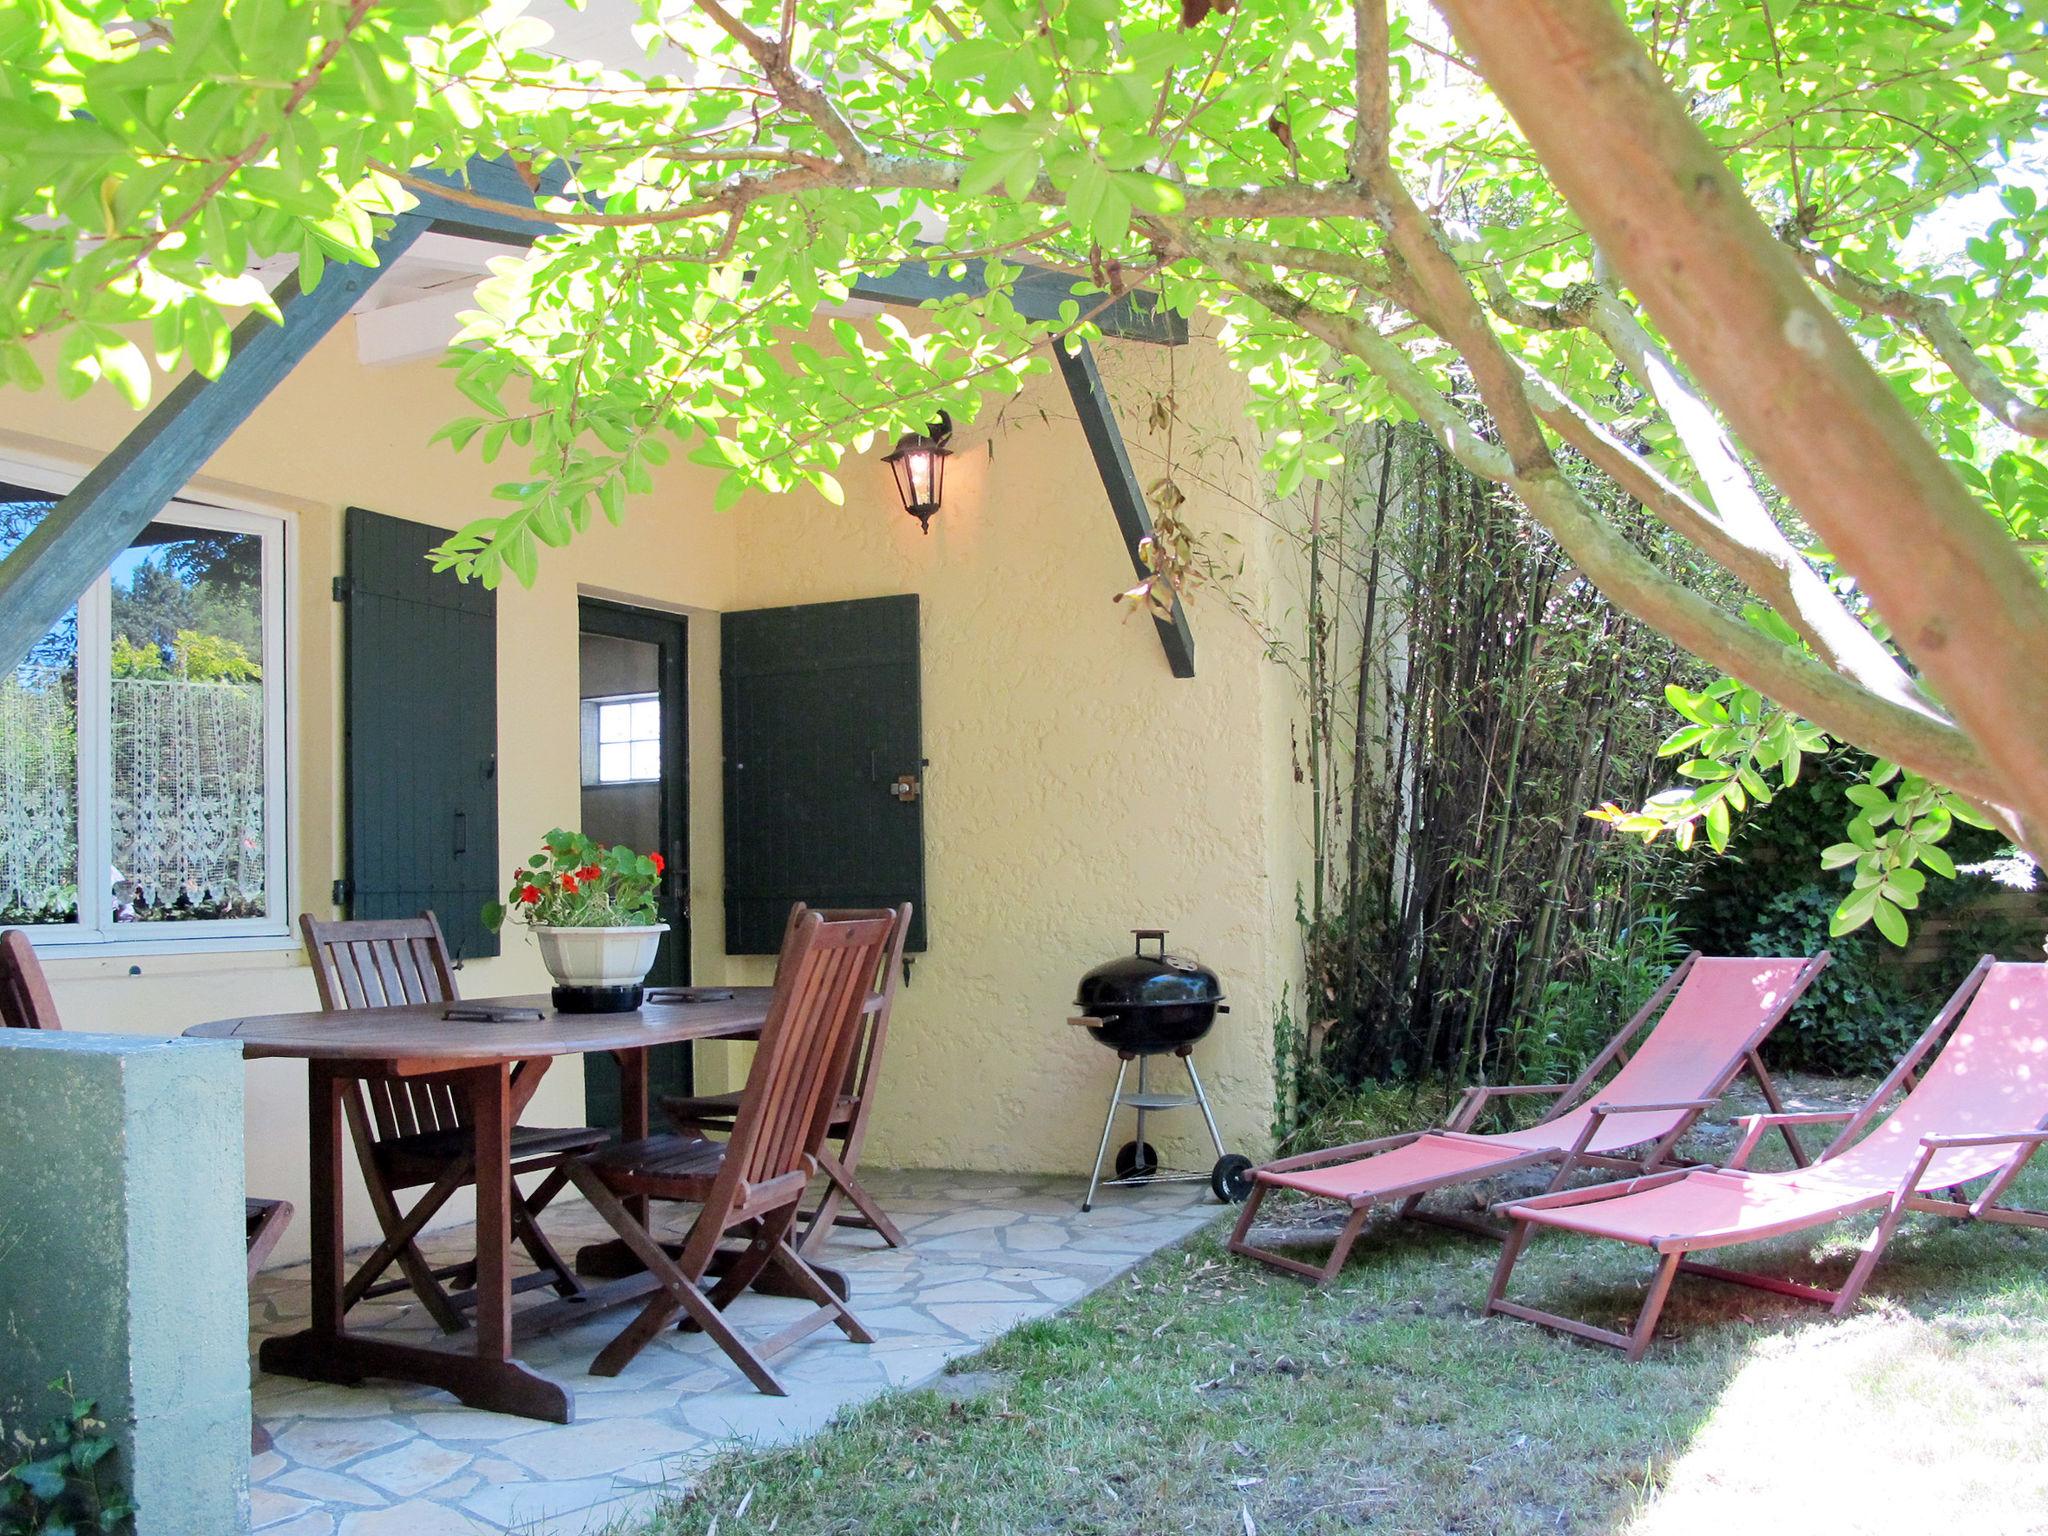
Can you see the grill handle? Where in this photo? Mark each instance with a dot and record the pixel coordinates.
(1156, 935)
(1082, 1021)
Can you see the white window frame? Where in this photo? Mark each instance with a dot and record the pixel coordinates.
(593, 748)
(95, 932)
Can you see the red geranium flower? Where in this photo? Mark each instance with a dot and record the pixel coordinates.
(589, 872)
(568, 882)
(529, 893)
(659, 862)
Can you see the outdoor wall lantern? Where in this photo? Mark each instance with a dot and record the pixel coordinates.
(919, 464)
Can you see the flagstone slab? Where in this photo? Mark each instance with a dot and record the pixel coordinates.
(987, 1252)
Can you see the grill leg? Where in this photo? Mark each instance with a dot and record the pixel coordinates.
(1142, 1089)
(1202, 1099)
(1116, 1095)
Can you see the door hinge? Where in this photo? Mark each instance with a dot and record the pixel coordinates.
(340, 893)
(906, 788)
(342, 587)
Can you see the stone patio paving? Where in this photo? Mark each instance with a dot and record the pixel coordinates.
(987, 1252)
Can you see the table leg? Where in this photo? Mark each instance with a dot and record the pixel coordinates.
(633, 1113)
(326, 1351)
(490, 1118)
(324, 1204)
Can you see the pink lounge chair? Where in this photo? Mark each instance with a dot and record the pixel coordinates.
(1979, 1112)
(1719, 1012)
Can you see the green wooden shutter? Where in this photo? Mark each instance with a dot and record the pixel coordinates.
(422, 734)
(822, 716)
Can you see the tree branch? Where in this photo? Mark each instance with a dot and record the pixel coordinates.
(794, 91)
(1292, 200)
(1739, 532)
(1828, 431)
(1371, 133)
(1926, 744)
(1770, 568)
(1935, 324)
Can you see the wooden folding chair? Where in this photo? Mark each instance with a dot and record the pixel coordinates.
(263, 1223)
(696, 1114)
(26, 1003)
(409, 1133)
(752, 1185)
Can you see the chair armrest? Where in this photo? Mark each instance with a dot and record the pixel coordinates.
(1984, 1139)
(1652, 1109)
(1755, 1127)
(1339, 1154)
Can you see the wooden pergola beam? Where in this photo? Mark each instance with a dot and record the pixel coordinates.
(107, 511)
(1037, 294)
(1126, 497)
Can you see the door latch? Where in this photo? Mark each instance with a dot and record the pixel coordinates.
(906, 788)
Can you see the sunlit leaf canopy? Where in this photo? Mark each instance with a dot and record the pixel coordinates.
(1334, 190)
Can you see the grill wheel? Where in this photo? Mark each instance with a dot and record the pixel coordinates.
(1136, 1160)
(1231, 1178)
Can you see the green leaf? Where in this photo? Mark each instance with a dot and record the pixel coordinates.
(128, 369)
(1891, 922)
(1854, 911)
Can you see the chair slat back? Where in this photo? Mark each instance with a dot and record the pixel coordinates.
(827, 973)
(874, 1022)
(388, 963)
(25, 1001)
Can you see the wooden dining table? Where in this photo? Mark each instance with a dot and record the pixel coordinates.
(489, 1063)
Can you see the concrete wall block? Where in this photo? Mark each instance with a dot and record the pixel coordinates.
(121, 1259)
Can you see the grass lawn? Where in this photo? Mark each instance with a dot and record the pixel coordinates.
(1206, 1394)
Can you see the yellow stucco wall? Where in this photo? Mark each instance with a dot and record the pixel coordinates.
(1075, 787)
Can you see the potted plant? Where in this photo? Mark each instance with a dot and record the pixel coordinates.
(592, 910)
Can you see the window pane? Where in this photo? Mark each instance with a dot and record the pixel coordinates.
(614, 722)
(614, 762)
(38, 755)
(646, 720)
(187, 744)
(646, 759)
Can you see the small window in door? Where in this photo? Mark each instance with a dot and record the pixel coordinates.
(622, 739)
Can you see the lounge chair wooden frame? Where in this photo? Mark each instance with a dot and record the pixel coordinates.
(1901, 1201)
(1570, 1096)
(400, 1125)
(698, 1113)
(752, 1185)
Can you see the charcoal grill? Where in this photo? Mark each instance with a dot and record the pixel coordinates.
(1145, 1005)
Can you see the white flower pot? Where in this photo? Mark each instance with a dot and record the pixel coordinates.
(599, 957)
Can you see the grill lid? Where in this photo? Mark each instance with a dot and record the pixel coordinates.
(1156, 980)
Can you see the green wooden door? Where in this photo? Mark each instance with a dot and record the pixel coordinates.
(421, 744)
(824, 764)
